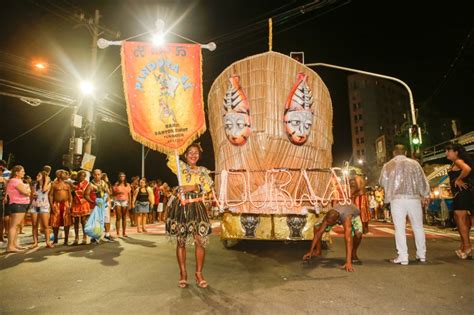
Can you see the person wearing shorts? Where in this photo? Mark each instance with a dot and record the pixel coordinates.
(40, 208)
(19, 200)
(143, 200)
(122, 200)
(3, 187)
(349, 217)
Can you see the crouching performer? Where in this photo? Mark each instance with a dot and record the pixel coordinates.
(349, 217)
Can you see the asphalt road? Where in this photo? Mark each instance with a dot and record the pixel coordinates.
(139, 275)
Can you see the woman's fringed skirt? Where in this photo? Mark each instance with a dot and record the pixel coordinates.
(188, 221)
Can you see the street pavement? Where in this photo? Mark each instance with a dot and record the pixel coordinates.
(139, 274)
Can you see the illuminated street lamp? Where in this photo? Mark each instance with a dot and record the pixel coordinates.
(410, 94)
(360, 161)
(87, 88)
(40, 65)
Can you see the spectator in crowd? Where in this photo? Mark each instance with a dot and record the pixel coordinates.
(461, 180)
(122, 192)
(60, 199)
(372, 205)
(359, 197)
(40, 208)
(19, 198)
(4, 172)
(80, 207)
(108, 208)
(156, 193)
(151, 216)
(3, 187)
(142, 201)
(164, 194)
(134, 186)
(98, 188)
(406, 188)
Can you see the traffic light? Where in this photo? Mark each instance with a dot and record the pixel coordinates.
(298, 56)
(415, 135)
(66, 160)
(77, 160)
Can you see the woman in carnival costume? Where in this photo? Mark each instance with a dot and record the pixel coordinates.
(188, 220)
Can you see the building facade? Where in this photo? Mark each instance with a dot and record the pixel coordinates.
(378, 108)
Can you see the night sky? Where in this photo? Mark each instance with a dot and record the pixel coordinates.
(419, 42)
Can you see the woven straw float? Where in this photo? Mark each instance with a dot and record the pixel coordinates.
(267, 79)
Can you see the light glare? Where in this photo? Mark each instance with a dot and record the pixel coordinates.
(40, 65)
(158, 39)
(86, 87)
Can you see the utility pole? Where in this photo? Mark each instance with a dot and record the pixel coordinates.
(143, 160)
(90, 105)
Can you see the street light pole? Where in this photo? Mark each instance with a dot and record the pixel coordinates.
(410, 94)
(90, 106)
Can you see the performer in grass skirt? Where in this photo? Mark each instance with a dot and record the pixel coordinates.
(187, 220)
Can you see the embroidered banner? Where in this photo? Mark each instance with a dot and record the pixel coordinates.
(163, 90)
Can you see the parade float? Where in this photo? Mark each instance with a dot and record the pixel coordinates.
(271, 126)
(270, 121)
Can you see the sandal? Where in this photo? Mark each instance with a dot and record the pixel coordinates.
(200, 283)
(466, 254)
(182, 284)
(15, 251)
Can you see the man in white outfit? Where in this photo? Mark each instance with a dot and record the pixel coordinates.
(406, 188)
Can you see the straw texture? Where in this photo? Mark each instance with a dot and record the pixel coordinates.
(267, 79)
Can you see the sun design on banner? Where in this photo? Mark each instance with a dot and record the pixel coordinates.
(164, 94)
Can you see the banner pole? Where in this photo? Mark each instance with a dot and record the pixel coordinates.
(178, 166)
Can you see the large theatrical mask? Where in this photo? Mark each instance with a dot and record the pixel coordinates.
(298, 117)
(285, 122)
(237, 114)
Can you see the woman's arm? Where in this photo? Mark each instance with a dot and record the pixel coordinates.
(134, 197)
(47, 186)
(465, 171)
(151, 196)
(318, 234)
(87, 193)
(24, 189)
